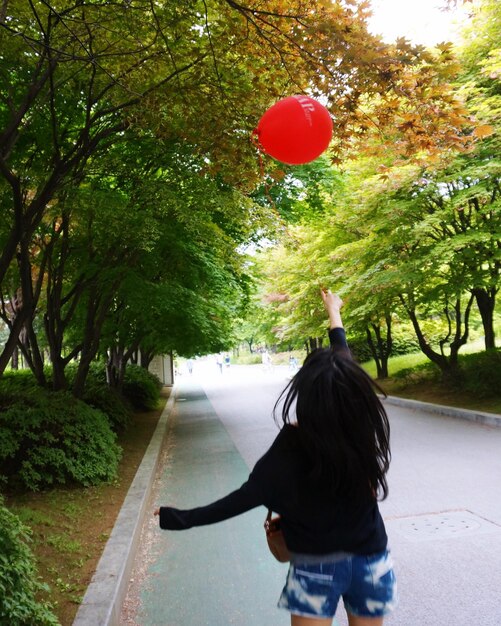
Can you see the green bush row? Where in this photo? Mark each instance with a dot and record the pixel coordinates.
(49, 438)
(141, 388)
(400, 345)
(19, 584)
(140, 391)
(100, 395)
(247, 359)
(478, 373)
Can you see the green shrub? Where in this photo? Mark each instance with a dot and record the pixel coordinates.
(19, 584)
(51, 437)
(101, 396)
(15, 383)
(481, 373)
(360, 349)
(248, 359)
(426, 371)
(141, 388)
(400, 345)
(478, 373)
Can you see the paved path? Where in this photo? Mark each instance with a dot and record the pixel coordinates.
(443, 515)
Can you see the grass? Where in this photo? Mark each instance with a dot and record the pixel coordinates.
(70, 526)
(397, 363)
(433, 391)
(405, 361)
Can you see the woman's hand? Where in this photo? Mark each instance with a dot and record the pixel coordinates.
(333, 304)
(156, 512)
(331, 300)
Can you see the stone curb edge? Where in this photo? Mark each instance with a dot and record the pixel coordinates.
(102, 603)
(480, 417)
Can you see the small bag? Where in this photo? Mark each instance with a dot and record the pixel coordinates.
(275, 538)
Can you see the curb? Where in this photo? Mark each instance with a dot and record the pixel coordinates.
(479, 417)
(102, 603)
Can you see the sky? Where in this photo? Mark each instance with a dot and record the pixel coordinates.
(421, 21)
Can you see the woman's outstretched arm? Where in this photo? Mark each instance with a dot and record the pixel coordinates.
(337, 336)
(333, 304)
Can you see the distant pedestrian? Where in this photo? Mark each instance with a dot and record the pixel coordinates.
(323, 475)
(227, 360)
(219, 361)
(266, 361)
(189, 365)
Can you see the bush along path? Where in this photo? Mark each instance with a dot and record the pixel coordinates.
(64, 481)
(474, 385)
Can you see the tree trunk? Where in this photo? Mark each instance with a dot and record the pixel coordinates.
(14, 362)
(486, 302)
(36, 355)
(314, 343)
(382, 347)
(115, 367)
(146, 358)
(59, 380)
(460, 336)
(12, 341)
(3, 13)
(97, 309)
(435, 357)
(89, 350)
(448, 365)
(118, 357)
(377, 354)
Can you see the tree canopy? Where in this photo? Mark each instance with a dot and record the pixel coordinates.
(128, 181)
(410, 240)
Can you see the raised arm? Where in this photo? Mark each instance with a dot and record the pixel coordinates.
(333, 304)
(337, 336)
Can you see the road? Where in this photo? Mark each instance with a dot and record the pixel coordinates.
(443, 514)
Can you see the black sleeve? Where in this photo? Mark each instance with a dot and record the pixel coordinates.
(235, 503)
(337, 338)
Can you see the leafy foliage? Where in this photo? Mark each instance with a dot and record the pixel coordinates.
(141, 388)
(49, 438)
(128, 184)
(481, 373)
(100, 395)
(477, 373)
(408, 241)
(19, 584)
(95, 102)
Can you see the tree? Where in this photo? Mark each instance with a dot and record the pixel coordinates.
(78, 75)
(478, 195)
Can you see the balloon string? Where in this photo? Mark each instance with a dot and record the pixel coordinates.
(267, 187)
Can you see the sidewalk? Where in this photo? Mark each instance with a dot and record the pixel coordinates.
(212, 575)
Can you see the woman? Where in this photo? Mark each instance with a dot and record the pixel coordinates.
(323, 475)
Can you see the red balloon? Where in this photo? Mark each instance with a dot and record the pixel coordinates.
(295, 130)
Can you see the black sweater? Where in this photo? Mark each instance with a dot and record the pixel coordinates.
(313, 521)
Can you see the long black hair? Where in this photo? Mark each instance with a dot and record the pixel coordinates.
(342, 424)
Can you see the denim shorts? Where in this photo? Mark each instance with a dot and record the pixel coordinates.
(367, 585)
